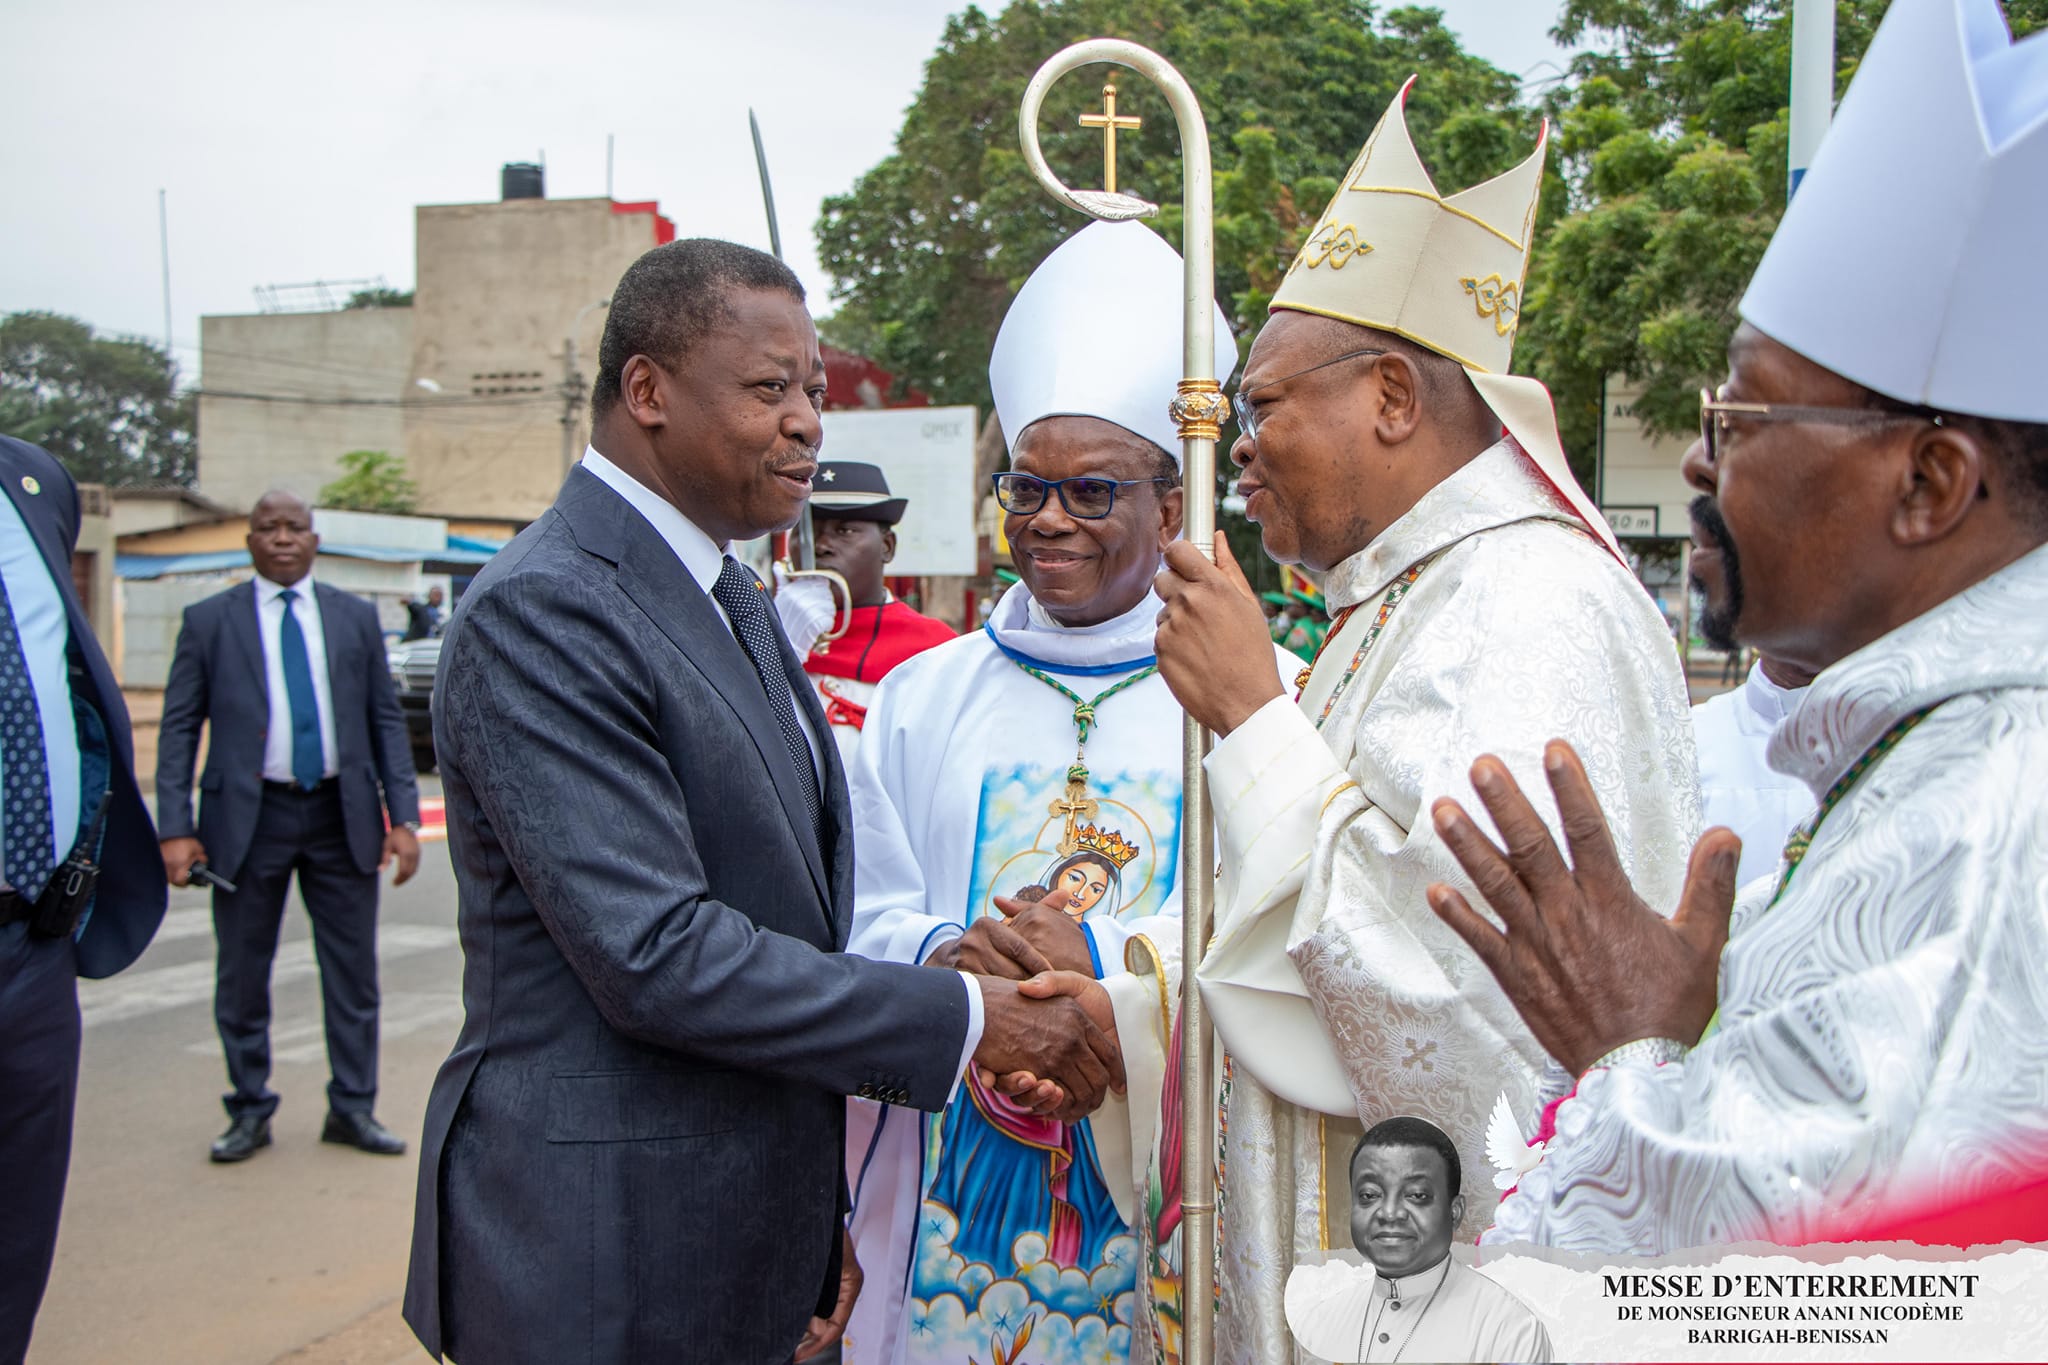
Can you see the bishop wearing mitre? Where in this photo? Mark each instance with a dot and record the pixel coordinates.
(1480, 605)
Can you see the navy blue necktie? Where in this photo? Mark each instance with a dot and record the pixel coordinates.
(308, 764)
(30, 855)
(745, 603)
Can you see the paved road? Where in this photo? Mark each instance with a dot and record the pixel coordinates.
(297, 1254)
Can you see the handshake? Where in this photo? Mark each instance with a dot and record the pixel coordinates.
(1048, 1038)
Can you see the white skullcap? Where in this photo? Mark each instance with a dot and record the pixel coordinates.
(1096, 332)
(1907, 259)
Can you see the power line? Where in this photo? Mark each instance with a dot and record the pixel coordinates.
(417, 404)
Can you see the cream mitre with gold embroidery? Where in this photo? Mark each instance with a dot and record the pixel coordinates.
(1902, 261)
(1445, 272)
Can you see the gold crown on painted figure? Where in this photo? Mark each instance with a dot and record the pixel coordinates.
(1108, 843)
(1392, 253)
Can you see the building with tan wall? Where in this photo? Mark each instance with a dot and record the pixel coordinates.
(502, 288)
(283, 396)
(470, 385)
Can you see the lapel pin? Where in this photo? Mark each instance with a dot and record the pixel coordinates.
(31, 485)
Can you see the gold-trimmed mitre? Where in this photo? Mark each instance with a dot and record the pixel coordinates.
(1392, 254)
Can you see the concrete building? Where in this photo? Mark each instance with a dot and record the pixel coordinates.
(506, 292)
(283, 396)
(472, 386)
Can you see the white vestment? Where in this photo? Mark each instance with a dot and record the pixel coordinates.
(962, 754)
(1342, 1312)
(1883, 1030)
(1737, 787)
(1335, 989)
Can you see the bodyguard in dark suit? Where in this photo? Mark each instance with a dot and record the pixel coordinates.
(67, 785)
(307, 752)
(632, 1154)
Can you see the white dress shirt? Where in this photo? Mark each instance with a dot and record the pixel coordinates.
(1739, 789)
(704, 557)
(277, 746)
(45, 631)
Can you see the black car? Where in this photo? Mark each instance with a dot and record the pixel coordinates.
(412, 672)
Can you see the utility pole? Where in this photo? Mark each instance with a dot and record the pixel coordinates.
(1813, 85)
(572, 388)
(163, 227)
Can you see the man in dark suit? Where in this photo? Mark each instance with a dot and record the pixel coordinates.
(67, 786)
(633, 1153)
(307, 751)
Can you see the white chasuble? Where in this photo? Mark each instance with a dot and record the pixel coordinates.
(1488, 622)
(1883, 1029)
(984, 1233)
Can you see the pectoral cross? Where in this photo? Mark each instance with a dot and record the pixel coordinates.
(1076, 805)
(1109, 121)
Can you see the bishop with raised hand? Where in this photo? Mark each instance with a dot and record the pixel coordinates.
(1867, 1051)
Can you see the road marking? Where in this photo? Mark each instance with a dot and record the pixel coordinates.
(185, 924)
(400, 1015)
(134, 994)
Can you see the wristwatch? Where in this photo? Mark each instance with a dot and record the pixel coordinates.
(412, 825)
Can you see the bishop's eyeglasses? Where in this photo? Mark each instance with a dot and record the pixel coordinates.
(1085, 496)
(1241, 403)
(1716, 414)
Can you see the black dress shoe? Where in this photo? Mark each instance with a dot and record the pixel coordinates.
(362, 1132)
(242, 1138)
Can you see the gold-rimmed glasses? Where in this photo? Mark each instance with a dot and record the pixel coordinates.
(1715, 414)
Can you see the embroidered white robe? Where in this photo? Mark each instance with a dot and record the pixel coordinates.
(1883, 1030)
(1337, 993)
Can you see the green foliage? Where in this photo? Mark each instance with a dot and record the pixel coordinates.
(382, 297)
(107, 407)
(1667, 172)
(931, 244)
(374, 481)
(1671, 153)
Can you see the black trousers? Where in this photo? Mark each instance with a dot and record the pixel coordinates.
(302, 832)
(39, 1034)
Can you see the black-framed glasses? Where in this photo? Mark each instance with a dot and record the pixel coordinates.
(1240, 402)
(1084, 496)
(1716, 413)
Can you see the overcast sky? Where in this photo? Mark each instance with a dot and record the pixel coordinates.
(294, 140)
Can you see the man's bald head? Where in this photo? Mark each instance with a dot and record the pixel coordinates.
(281, 540)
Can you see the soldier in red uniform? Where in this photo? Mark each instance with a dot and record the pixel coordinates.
(853, 519)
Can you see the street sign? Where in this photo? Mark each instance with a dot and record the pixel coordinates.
(927, 455)
(1631, 521)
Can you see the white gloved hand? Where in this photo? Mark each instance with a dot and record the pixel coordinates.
(807, 608)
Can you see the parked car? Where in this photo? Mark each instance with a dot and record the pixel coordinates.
(413, 663)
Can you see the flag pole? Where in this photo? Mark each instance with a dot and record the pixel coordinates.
(1197, 408)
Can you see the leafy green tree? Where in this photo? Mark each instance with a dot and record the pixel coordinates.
(1671, 161)
(930, 245)
(373, 481)
(107, 407)
(380, 297)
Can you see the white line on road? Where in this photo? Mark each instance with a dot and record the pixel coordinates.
(185, 924)
(134, 994)
(399, 1015)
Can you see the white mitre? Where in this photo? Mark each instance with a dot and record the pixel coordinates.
(1908, 259)
(1392, 254)
(1096, 332)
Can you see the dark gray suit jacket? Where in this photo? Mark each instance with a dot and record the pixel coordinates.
(129, 903)
(217, 679)
(634, 1153)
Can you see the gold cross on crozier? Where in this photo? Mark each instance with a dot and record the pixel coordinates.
(1076, 805)
(1109, 121)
